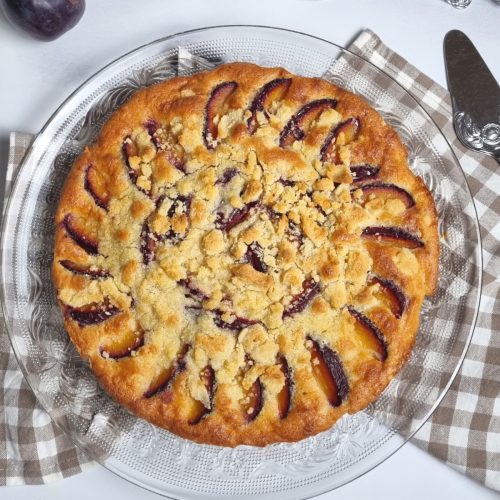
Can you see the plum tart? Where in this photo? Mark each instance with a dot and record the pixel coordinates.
(242, 255)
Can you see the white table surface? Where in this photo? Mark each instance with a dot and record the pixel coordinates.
(35, 77)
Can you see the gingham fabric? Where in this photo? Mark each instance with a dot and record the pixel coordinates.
(32, 449)
(464, 431)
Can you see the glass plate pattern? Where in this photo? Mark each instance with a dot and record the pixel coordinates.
(154, 458)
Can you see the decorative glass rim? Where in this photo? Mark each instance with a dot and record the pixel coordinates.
(39, 142)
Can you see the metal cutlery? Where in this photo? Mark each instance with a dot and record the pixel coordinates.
(475, 95)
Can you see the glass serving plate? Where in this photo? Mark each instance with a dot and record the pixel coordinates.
(157, 459)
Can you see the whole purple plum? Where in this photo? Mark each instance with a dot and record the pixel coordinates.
(44, 19)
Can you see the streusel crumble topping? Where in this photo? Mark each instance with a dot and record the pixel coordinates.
(242, 255)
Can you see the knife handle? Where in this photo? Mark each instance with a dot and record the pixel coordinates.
(483, 140)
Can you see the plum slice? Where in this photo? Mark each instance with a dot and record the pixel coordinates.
(361, 173)
(100, 200)
(272, 91)
(349, 128)
(286, 182)
(295, 233)
(182, 203)
(149, 241)
(254, 401)
(93, 273)
(391, 295)
(216, 106)
(236, 325)
(393, 235)
(78, 237)
(237, 216)
(285, 395)
(371, 337)
(388, 191)
(227, 175)
(255, 257)
(299, 302)
(130, 149)
(94, 313)
(166, 143)
(198, 409)
(328, 372)
(297, 126)
(123, 346)
(160, 382)
(175, 155)
(151, 125)
(192, 291)
(293, 230)
(167, 375)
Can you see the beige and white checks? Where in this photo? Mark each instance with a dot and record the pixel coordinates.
(464, 431)
(32, 449)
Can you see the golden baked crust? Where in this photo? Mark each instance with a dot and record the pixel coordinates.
(242, 255)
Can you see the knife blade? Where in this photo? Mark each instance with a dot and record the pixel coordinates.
(472, 86)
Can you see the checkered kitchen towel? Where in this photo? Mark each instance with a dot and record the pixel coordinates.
(32, 449)
(464, 431)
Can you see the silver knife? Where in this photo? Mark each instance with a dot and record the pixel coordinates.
(475, 95)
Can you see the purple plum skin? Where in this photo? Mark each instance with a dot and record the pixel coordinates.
(92, 314)
(178, 366)
(362, 173)
(336, 368)
(93, 274)
(331, 370)
(259, 102)
(217, 99)
(373, 329)
(254, 257)
(400, 298)
(396, 191)
(192, 292)
(257, 396)
(227, 176)
(395, 233)
(44, 19)
(100, 202)
(126, 352)
(236, 325)
(331, 139)
(310, 289)
(293, 129)
(148, 244)
(210, 386)
(91, 247)
(152, 126)
(285, 395)
(237, 216)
